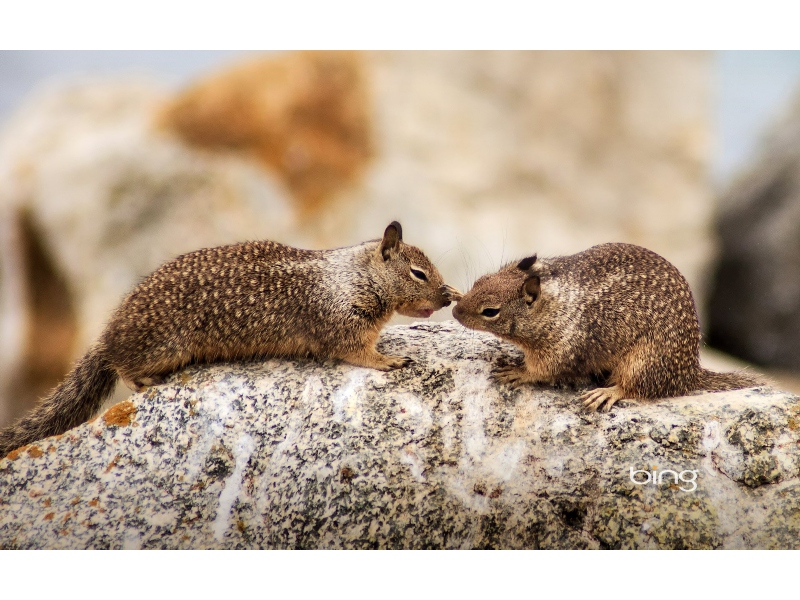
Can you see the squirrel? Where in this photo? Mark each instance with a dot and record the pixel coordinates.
(244, 301)
(616, 311)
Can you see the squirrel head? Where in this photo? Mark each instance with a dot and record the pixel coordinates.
(509, 303)
(411, 276)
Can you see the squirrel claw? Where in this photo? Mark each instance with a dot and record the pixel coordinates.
(513, 376)
(601, 399)
(398, 362)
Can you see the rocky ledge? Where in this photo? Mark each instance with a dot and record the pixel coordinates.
(297, 454)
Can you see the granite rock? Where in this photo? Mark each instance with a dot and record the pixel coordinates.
(297, 454)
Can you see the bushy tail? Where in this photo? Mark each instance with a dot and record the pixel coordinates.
(712, 381)
(74, 401)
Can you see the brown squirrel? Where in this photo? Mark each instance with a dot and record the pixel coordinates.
(616, 311)
(249, 300)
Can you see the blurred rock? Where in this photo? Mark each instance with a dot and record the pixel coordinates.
(289, 454)
(754, 309)
(37, 316)
(306, 115)
(14, 311)
(490, 156)
(482, 156)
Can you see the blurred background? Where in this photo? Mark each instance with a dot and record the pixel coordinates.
(112, 162)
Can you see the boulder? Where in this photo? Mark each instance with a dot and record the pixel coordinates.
(753, 307)
(300, 454)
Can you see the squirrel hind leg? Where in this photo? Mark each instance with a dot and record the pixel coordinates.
(153, 372)
(602, 399)
(140, 384)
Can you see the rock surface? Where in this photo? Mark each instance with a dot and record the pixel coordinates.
(288, 454)
(753, 309)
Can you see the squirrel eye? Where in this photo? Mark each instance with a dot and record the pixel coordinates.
(417, 274)
(490, 312)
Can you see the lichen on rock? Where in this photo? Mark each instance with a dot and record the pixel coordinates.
(303, 454)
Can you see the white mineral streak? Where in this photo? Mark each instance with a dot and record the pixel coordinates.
(731, 514)
(217, 411)
(346, 399)
(415, 465)
(233, 485)
(483, 462)
(132, 540)
(414, 413)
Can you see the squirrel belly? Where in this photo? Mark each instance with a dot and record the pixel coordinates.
(244, 301)
(617, 311)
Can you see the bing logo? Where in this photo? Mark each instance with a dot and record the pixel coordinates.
(656, 477)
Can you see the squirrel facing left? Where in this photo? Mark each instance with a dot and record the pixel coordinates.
(243, 301)
(616, 310)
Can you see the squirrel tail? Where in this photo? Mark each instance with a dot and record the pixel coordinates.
(74, 401)
(711, 381)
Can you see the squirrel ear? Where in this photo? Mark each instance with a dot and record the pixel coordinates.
(526, 263)
(530, 289)
(391, 239)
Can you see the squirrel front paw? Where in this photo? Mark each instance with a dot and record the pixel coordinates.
(396, 362)
(513, 376)
(376, 360)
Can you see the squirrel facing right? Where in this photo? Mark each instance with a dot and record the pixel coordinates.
(243, 301)
(614, 310)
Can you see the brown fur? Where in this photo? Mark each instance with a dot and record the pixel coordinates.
(616, 310)
(250, 300)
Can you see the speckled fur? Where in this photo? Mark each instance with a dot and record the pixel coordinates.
(617, 311)
(250, 300)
